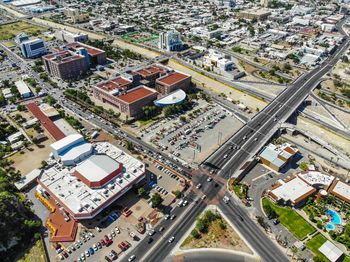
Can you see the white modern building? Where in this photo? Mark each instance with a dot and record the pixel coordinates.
(217, 59)
(71, 149)
(23, 89)
(70, 37)
(170, 41)
(33, 48)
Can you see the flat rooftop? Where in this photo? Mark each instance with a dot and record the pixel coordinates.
(80, 199)
(97, 167)
(341, 190)
(317, 178)
(294, 190)
(173, 78)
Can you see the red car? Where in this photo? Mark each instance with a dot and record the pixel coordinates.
(108, 241)
(64, 253)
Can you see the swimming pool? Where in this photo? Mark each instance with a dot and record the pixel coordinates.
(330, 226)
(335, 217)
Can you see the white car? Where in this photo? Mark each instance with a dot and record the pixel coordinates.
(226, 199)
(117, 230)
(171, 239)
(209, 179)
(131, 258)
(151, 232)
(98, 229)
(199, 186)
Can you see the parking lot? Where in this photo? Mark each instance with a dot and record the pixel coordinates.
(191, 141)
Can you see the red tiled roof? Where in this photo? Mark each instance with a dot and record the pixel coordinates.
(65, 56)
(91, 50)
(45, 121)
(172, 78)
(150, 71)
(117, 83)
(136, 94)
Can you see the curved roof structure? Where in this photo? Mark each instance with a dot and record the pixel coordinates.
(174, 98)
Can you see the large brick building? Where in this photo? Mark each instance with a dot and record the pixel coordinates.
(173, 81)
(96, 56)
(120, 93)
(66, 64)
(73, 60)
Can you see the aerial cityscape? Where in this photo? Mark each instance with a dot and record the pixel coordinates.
(174, 131)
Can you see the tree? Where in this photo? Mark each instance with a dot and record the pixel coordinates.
(43, 164)
(141, 192)
(202, 226)
(195, 233)
(21, 108)
(177, 193)
(303, 166)
(183, 119)
(156, 200)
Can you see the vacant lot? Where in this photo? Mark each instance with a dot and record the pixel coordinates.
(9, 31)
(26, 160)
(297, 225)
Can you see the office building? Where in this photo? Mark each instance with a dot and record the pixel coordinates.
(33, 48)
(96, 56)
(172, 82)
(70, 37)
(130, 102)
(259, 14)
(21, 38)
(170, 41)
(67, 64)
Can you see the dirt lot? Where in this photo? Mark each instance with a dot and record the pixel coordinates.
(26, 160)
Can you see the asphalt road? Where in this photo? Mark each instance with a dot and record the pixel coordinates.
(251, 137)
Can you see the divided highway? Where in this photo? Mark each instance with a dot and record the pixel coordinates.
(250, 138)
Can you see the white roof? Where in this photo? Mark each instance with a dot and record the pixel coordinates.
(330, 251)
(66, 141)
(19, 3)
(342, 189)
(292, 189)
(317, 178)
(27, 179)
(172, 98)
(97, 167)
(80, 198)
(22, 87)
(76, 152)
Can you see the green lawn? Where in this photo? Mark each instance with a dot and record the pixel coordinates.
(346, 259)
(9, 31)
(315, 243)
(297, 225)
